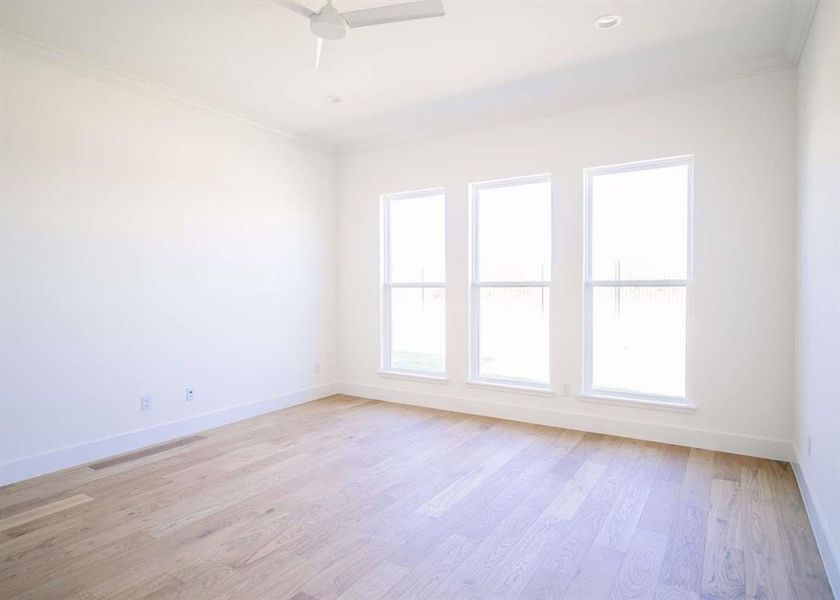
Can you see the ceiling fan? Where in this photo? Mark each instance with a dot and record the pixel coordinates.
(329, 25)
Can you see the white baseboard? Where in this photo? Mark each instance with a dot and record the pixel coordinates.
(670, 434)
(62, 458)
(71, 456)
(829, 551)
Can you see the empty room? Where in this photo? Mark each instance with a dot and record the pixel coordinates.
(432, 299)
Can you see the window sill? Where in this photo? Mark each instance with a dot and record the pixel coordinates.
(411, 376)
(638, 402)
(519, 388)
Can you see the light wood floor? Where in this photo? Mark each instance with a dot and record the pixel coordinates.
(347, 498)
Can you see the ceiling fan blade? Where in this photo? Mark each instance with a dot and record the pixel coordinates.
(422, 9)
(295, 7)
(324, 54)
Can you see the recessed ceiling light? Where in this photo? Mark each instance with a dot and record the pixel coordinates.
(608, 21)
(332, 99)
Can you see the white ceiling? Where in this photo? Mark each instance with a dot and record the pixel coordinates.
(485, 62)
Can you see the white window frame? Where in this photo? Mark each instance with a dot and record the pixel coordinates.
(386, 285)
(631, 396)
(476, 284)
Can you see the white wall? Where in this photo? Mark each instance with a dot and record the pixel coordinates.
(147, 247)
(742, 135)
(818, 310)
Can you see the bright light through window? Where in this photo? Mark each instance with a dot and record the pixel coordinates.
(511, 275)
(413, 282)
(637, 278)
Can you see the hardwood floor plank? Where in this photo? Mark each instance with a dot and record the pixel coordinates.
(32, 573)
(536, 462)
(696, 484)
(697, 455)
(799, 547)
(45, 510)
(725, 524)
(26, 505)
(811, 588)
(558, 567)
(682, 566)
(104, 464)
(667, 592)
(395, 529)
(639, 573)
(766, 575)
(597, 574)
(46, 486)
(620, 525)
(471, 479)
(673, 464)
(376, 582)
(514, 573)
(572, 461)
(723, 573)
(81, 595)
(353, 498)
(726, 466)
(424, 579)
(134, 588)
(497, 545)
(422, 544)
(577, 489)
(660, 506)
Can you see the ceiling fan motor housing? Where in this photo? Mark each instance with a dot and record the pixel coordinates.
(328, 24)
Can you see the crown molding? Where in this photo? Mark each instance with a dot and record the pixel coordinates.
(30, 49)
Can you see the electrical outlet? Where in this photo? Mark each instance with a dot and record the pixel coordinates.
(317, 368)
(189, 395)
(145, 403)
(565, 390)
(809, 445)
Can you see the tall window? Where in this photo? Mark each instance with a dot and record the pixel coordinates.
(637, 275)
(414, 282)
(510, 279)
